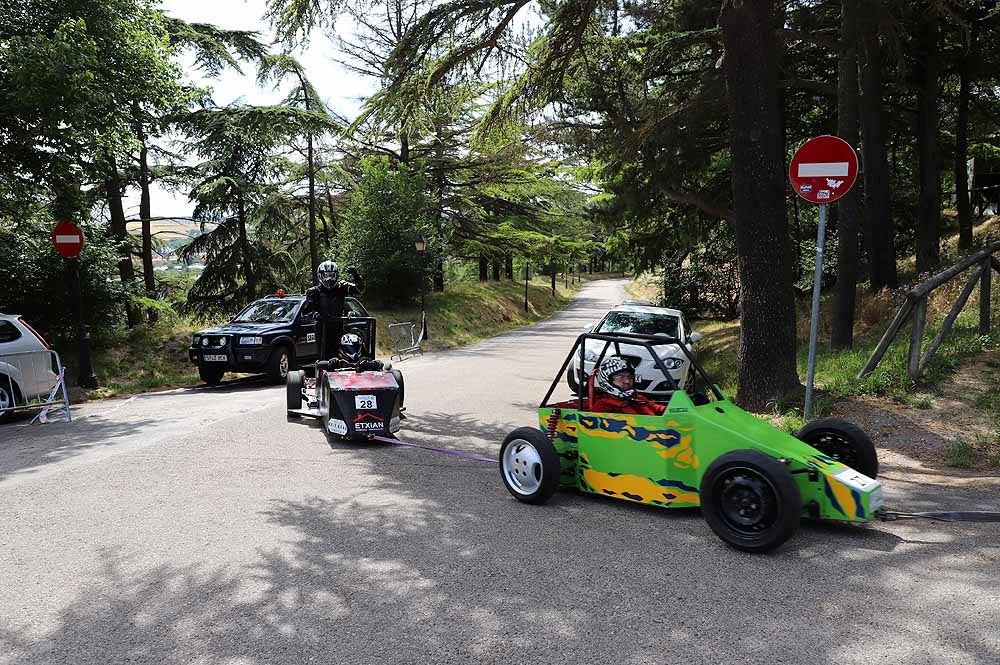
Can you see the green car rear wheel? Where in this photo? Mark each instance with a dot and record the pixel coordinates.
(750, 500)
(529, 465)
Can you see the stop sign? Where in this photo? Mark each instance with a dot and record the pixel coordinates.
(67, 238)
(823, 169)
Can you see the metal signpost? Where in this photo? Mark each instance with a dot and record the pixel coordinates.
(67, 238)
(823, 170)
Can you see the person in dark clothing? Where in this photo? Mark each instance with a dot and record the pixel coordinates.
(325, 302)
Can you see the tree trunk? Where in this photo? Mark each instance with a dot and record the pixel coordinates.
(496, 270)
(509, 266)
(929, 211)
(552, 271)
(250, 277)
(333, 220)
(849, 212)
(145, 212)
(126, 271)
(311, 168)
(962, 157)
(484, 269)
(766, 369)
(439, 275)
(880, 234)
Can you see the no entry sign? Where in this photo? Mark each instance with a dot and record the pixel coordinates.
(823, 169)
(67, 238)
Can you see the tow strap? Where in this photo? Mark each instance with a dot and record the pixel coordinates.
(443, 451)
(946, 516)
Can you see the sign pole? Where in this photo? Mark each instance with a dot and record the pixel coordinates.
(814, 323)
(87, 378)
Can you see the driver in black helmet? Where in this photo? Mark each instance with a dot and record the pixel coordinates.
(326, 302)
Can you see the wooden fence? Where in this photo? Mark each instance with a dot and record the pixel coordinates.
(983, 263)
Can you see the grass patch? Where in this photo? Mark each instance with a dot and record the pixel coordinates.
(960, 454)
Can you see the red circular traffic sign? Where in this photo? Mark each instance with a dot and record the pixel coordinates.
(67, 238)
(823, 169)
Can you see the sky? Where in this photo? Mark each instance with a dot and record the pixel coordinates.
(341, 90)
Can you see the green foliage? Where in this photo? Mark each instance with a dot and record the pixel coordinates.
(387, 212)
(960, 454)
(42, 279)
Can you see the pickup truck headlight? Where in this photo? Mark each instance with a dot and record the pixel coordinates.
(251, 341)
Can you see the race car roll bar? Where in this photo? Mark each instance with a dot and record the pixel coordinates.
(647, 342)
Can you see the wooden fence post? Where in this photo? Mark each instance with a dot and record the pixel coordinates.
(917, 336)
(952, 315)
(886, 340)
(984, 299)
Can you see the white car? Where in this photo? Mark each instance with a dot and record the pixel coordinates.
(25, 365)
(644, 320)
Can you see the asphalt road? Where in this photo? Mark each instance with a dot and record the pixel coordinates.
(202, 527)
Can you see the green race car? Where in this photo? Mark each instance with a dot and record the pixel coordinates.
(753, 482)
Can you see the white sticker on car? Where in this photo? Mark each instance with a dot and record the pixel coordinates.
(855, 480)
(366, 402)
(310, 337)
(337, 426)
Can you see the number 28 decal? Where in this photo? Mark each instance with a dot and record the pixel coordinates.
(366, 402)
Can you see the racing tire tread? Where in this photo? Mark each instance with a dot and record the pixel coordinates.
(293, 389)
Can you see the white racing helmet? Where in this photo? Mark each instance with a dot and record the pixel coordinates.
(613, 365)
(327, 274)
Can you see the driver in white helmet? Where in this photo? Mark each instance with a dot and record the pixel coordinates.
(614, 390)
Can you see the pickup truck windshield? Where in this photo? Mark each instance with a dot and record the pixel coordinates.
(268, 311)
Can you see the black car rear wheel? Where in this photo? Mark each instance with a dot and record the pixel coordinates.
(750, 500)
(211, 375)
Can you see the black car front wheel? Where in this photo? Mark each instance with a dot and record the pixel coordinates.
(211, 375)
(293, 389)
(750, 500)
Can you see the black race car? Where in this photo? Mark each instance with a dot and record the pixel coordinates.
(354, 400)
(270, 335)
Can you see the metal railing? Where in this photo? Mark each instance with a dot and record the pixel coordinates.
(403, 340)
(33, 380)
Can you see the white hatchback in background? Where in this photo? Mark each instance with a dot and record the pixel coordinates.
(25, 365)
(643, 319)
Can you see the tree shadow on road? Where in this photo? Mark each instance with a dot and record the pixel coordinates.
(414, 559)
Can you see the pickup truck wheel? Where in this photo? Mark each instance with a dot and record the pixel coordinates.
(279, 363)
(211, 375)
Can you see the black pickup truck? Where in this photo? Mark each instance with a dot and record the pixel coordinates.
(270, 335)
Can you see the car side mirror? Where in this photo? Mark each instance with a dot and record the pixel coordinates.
(695, 337)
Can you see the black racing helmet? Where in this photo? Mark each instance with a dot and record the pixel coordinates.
(327, 273)
(352, 348)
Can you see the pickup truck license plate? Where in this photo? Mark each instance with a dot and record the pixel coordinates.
(214, 359)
